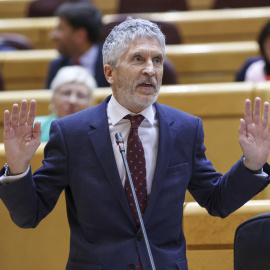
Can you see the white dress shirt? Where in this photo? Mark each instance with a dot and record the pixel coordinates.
(255, 72)
(89, 59)
(148, 133)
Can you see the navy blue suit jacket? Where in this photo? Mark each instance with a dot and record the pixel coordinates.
(63, 61)
(80, 160)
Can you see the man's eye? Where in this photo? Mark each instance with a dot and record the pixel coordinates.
(137, 58)
(157, 60)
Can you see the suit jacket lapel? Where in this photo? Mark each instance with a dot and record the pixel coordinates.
(165, 146)
(99, 136)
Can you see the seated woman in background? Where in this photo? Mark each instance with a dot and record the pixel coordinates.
(259, 69)
(72, 91)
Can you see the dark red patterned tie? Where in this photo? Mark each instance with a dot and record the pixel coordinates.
(136, 163)
(77, 62)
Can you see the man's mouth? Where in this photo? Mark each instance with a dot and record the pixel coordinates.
(145, 84)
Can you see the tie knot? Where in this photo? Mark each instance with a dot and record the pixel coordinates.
(135, 120)
(77, 62)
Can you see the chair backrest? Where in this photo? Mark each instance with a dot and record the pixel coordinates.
(46, 8)
(240, 3)
(173, 36)
(12, 41)
(169, 73)
(141, 6)
(252, 244)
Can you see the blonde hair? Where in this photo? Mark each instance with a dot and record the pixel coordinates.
(71, 74)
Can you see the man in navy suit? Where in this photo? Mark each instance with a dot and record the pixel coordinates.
(76, 38)
(83, 159)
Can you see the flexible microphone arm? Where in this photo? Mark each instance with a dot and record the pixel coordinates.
(120, 143)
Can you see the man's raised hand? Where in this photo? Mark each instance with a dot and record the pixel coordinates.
(21, 139)
(254, 135)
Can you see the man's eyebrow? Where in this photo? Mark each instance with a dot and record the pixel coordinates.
(137, 53)
(159, 55)
(142, 53)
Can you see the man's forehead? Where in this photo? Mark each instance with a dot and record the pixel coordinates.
(144, 43)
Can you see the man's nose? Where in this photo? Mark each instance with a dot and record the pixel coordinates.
(149, 68)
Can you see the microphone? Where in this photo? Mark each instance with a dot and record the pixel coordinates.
(120, 142)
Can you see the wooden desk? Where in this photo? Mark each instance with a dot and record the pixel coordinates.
(195, 26)
(212, 62)
(210, 239)
(107, 7)
(208, 63)
(19, 8)
(45, 247)
(200, 4)
(204, 26)
(216, 25)
(36, 29)
(14, 8)
(25, 69)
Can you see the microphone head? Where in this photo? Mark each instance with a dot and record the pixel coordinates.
(119, 138)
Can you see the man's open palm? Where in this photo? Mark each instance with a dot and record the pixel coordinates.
(21, 139)
(254, 135)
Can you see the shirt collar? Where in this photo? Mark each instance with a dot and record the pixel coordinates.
(88, 59)
(116, 112)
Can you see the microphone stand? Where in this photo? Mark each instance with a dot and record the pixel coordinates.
(120, 143)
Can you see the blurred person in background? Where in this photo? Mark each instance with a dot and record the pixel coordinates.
(72, 91)
(76, 38)
(257, 69)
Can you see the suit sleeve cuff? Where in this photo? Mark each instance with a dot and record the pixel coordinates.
(8, 179)
(259, 173)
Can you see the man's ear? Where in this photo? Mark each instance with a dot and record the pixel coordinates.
(108, 71)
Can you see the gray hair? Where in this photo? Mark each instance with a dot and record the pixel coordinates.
(118, 40)
(77, 74)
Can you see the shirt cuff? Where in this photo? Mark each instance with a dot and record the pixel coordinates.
(259, 173)
(6, 179)
(262, 174)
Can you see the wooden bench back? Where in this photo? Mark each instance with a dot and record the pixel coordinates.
(204, 26)
(208, 63)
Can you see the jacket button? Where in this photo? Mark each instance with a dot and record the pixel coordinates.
(139, 236)
(131, 266)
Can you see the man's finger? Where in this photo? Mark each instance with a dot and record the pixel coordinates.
(14, 115)
(242, 128)
(248, 115)
(32, 113)
(257, 111)
(6, 121)
(265, 117)
(37, 130)
(23, 112)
